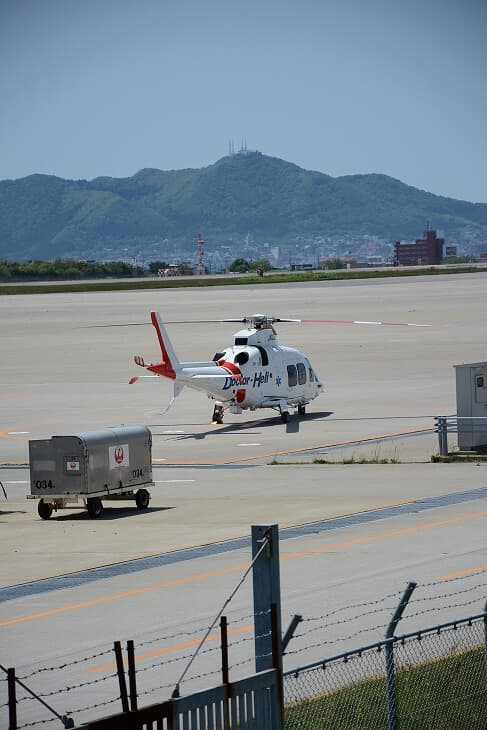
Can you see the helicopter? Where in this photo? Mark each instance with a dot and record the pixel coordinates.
(256, 371)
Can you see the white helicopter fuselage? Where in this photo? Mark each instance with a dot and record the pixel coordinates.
(267, 373)
(255, 372)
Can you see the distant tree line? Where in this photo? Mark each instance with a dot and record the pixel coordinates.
(67, 269)
(242, 266)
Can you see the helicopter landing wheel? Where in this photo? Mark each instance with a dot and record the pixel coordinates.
(217, 414)
(301, 410)
(285, 416)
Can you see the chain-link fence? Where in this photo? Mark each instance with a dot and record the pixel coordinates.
(437, 679)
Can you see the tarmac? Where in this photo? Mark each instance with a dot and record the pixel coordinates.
(65, 369)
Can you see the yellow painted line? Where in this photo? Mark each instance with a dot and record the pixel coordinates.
(173, 648)
(460, 573)
(241, 566)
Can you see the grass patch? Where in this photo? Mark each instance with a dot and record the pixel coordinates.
(270, 278)
(458, 458)
(354, 460)
(449, 693)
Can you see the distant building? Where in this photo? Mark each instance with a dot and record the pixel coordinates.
(427, 250)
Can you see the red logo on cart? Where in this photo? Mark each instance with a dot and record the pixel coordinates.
(118, 454)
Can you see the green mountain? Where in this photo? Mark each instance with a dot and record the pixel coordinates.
(271, 200)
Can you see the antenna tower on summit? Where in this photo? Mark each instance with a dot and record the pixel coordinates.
(200, 268)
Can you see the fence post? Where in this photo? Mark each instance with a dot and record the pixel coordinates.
(389, 656)
(131, 673)
(267, 590)
(12, 700)
(224, 648)
(117, 648)
(442, 429)
(267, 612)
(225, 669)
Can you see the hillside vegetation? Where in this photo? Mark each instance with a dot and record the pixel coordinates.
(45, 217)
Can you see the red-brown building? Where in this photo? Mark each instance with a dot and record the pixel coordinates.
(427, 250)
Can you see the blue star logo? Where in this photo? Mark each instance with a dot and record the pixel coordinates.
(278, 380)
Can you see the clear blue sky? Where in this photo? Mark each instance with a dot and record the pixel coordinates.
(107, 87)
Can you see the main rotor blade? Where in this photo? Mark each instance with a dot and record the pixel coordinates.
(358, 321)
(144, 324)
(249, 319)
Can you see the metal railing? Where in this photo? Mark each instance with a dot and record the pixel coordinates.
(445, 425)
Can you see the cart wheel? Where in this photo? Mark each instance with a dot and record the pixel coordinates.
(95, 507)
(44, 509)
(142, 498)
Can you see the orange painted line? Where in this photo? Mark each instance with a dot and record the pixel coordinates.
(383, 536)
(173, 648)
(303, 449)
(8, 435)
(240, 566)
(459, 573)
(125, 594)
(270, 454)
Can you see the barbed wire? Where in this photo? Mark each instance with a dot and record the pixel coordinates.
(362, 604)
(445, 595)
(93, 706)
(66, 664)
(435, 608)
(38, 722)
(176, 659)
(88, 683)
(335, 640)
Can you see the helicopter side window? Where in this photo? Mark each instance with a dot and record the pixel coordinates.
(240, 341)
(292, 375)
(301, 373)
(311, 375)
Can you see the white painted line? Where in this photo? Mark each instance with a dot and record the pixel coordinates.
(173, 432)
(172, 481)
(248, 444)
(20, 482)
(16, 433)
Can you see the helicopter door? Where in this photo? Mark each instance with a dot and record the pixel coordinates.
(301, 373)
